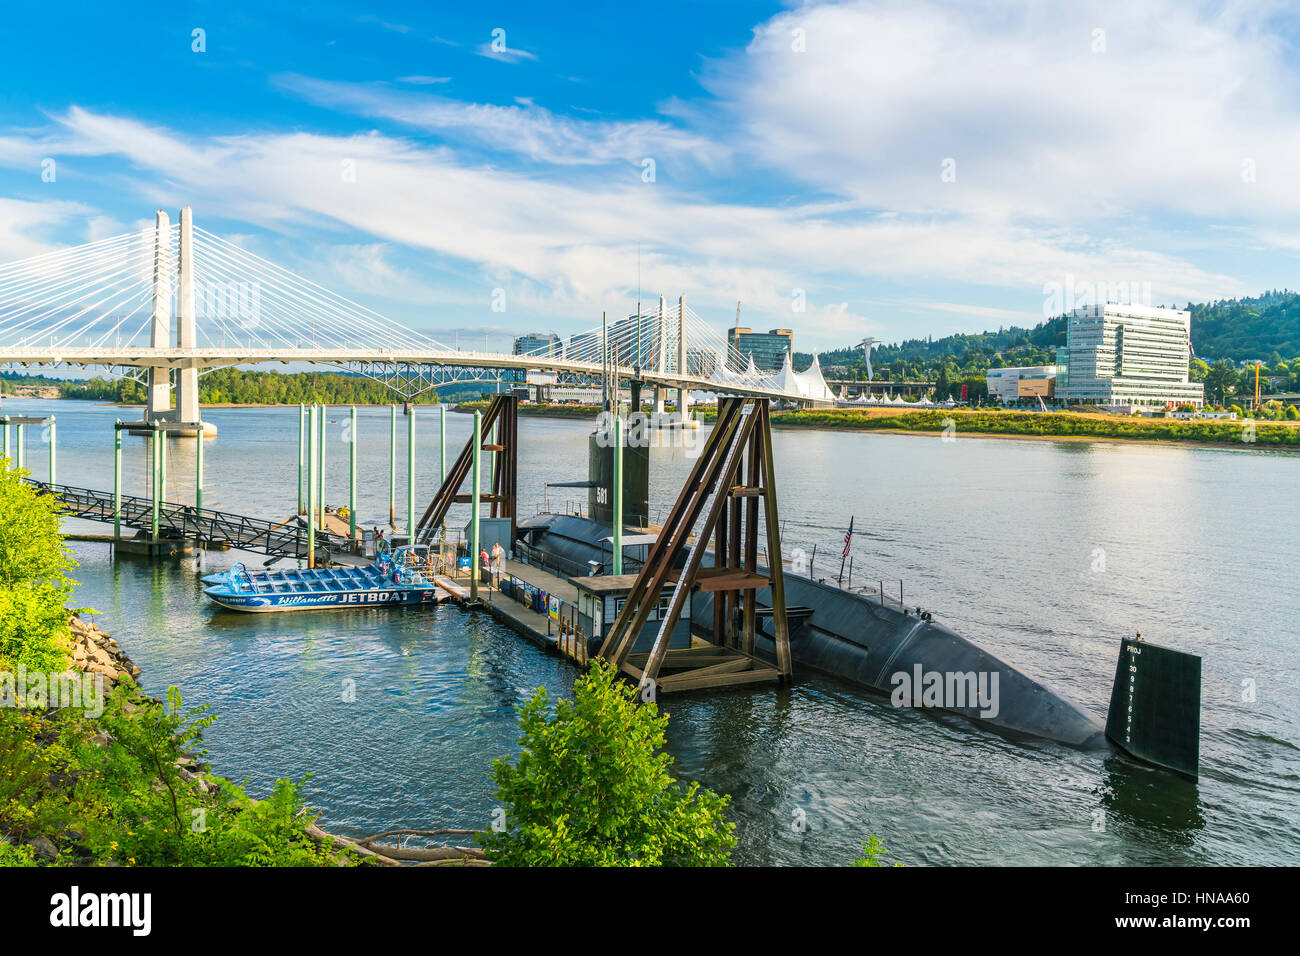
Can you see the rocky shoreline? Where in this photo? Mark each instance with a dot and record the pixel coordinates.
(95, 652)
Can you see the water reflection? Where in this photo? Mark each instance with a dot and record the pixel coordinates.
(1151, 804)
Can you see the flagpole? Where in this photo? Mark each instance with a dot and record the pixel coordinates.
(848, 538)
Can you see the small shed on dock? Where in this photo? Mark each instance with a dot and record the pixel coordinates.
(601, 597)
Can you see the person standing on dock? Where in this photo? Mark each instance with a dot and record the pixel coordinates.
(498, 558)
(483, 564)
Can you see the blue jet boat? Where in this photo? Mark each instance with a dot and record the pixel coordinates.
(401, 577)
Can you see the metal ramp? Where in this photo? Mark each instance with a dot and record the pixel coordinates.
(212, 529)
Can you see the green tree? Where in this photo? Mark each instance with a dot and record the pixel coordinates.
(1220, 381)
(592, 788)
(34, 586)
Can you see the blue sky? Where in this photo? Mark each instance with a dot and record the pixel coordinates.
(913, 168)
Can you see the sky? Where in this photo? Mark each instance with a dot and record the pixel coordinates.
(891, 169)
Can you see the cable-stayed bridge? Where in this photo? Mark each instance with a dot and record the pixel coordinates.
(170, 302)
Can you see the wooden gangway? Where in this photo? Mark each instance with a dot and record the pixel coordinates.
(212, 529)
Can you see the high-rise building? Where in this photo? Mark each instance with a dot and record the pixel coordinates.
(540, 343)
(1127, 355)
(769, 349)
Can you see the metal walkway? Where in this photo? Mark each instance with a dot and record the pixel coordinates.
(213, 529)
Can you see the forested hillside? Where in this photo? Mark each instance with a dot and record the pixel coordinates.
(1264, 328)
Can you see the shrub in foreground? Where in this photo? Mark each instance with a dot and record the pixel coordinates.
(592, 787)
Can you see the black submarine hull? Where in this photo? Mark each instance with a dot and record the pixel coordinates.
(858, 639)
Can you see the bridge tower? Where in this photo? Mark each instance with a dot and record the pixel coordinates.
(187, 395)
(187, 411)
(160, 327)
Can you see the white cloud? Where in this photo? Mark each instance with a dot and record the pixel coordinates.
(524, 129)
(1117, 166)
(507, 54)
(1041, 128)
(25, 224)
(569, 250)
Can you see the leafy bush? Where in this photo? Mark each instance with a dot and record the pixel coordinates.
(13, 855)
(592, 788)
(28, 806)
(873, 854)
(110, 790)
(34, 586)
(143, 811)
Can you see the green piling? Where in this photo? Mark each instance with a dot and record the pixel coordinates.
(302, 451)
(8, 459)
(18, 438)
(117, 480)
(473, 508)
(352, 474)
(198, 474)
(155, 466)
(392, 466)
(311, 487)
(322, 416)
(410, 475)
(618, 494)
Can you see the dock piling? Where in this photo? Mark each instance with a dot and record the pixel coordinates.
(302, 448)
(410, 476)
(311, 488)
(117, 481)
(18, 437)
(53, 479)
(352, 474)
(392, 466)
(198, 475)
(162, 466)
(618, 494)
(322, 412)
(473, 506)
(442, 445)
(155, 467)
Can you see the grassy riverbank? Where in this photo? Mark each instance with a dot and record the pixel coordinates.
(1011, 424)
(1044, 425)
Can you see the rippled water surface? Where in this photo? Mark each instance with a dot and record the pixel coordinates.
(1044, 552)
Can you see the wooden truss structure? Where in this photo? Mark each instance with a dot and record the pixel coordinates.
(733, 474)
(503, 413)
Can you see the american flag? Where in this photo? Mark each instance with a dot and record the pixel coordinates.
(848, 540)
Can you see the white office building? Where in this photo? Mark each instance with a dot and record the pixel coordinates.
(1022, 383)
(1127, 355)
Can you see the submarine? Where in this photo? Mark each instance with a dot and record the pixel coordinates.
(859, 639)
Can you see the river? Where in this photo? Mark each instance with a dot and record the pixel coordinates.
(1045, 552)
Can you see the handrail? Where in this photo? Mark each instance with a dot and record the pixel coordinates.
(181, 520)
